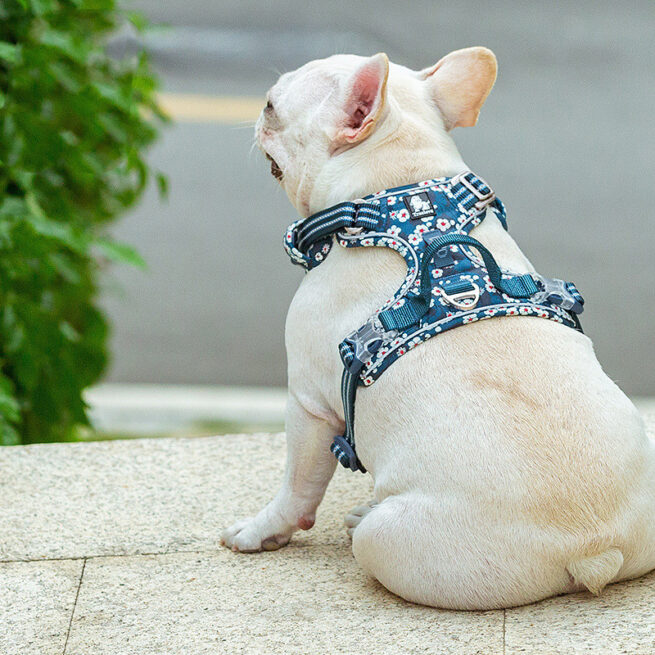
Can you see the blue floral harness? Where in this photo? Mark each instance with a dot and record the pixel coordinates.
(447, 285)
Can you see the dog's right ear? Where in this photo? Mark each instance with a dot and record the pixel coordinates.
(363, 102)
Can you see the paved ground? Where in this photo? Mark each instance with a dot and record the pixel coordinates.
(111, 548)
(566, 138)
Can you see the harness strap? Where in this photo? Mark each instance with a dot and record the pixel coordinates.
(343, 446)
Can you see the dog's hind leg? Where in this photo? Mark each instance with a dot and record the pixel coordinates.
(396, 541)
(428, 551)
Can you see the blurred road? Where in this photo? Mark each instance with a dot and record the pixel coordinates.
(566, 139)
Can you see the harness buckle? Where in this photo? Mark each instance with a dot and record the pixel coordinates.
(557, 292)
(354, 231)
(483, 198)
(366, 341)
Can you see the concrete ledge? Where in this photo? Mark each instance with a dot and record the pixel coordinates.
(112, 547)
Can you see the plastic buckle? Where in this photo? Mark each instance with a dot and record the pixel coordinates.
(483, 198)
(353, 231)
(556, 292)
(366, 341)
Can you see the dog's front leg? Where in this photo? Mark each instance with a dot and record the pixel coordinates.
(310, 466)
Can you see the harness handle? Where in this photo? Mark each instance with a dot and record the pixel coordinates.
(518, 286)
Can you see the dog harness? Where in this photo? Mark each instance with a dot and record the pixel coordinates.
(452, 279)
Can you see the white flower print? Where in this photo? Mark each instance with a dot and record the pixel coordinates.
(391, 200)
(414, 239)
(469, 319)
(367, 242)
(318, 257)
(490, 312)
(525, 310)
(401, 351)
(394, 230)
(368, 381)
(442, 224)
(420, 229)
(512, 311)
(389, 243)
(325, 249)
(402, 215)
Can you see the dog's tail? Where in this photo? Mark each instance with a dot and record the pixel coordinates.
(598, 570)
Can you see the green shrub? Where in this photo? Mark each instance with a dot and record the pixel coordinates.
(73, 127)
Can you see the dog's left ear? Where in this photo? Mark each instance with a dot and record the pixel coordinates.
(363, 101)
(460, 83)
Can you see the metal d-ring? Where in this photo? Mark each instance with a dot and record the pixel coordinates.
(463, 299)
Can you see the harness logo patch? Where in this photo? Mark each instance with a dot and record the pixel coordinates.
(419, 205)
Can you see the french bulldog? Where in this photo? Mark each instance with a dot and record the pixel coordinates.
(507, 466)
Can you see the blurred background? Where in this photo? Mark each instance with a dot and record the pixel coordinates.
(566, 139)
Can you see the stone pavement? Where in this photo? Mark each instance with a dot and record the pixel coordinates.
(111, 548)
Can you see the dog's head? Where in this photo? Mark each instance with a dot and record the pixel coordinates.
(337, 127)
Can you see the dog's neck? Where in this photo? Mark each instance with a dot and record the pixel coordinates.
(396, 154)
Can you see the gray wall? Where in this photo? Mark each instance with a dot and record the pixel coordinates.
(566, 139)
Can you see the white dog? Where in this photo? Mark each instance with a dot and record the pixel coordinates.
(508, 467)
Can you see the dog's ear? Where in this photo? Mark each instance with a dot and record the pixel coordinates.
(460, 83)
(363, 101)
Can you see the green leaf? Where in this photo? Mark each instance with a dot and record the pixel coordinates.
(120, 252)
(162, 184)
(9, 407)
(8, 434)
(9, 52)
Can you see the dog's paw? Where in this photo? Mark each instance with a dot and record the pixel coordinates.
(355, 516)
(248, 536)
